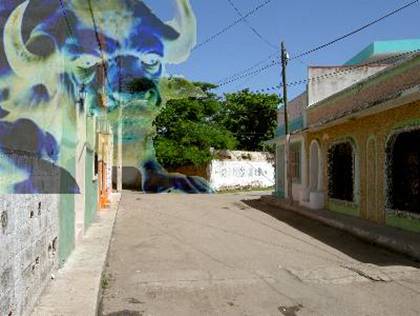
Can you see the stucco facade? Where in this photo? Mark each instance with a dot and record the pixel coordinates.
(370, 137)
(360, 141)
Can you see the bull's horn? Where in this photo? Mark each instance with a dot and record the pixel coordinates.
(177, 51)
(24, 63)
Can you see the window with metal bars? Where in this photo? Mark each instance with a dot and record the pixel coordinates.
(341, 172)
(295, 161)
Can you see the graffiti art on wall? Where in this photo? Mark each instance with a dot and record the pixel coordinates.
(228, 175)
(115, 51)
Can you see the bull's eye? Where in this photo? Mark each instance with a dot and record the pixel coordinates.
(151, 61)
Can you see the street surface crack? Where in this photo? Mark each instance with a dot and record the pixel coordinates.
(370, 272)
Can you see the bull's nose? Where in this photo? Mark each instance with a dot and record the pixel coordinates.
(146, 87)
(152, 96)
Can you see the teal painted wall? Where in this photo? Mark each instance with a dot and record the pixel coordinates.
(91, 187)
(362, 56)
(280, 183)
(91, 184)
(383, 48)
(67, 215)
(294, 125)
(66, 226)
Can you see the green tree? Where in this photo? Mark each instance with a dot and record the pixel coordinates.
(186, 130)
(251, 117)
(179, 88)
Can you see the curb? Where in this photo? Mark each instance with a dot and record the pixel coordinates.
(115, 206)
(404, 242)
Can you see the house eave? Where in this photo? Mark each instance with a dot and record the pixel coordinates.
(400, 98)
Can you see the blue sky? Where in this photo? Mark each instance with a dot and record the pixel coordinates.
(301, 24)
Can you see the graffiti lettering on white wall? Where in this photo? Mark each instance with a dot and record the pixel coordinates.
(239, 174)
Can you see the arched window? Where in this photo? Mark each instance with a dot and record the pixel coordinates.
(404, 172)
(341, 171)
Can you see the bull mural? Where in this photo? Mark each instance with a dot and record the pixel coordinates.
(116, 51)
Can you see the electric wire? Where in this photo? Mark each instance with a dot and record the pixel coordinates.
(347, 69)
(245, 74)
(313, 50)
(247, 69)
(253, 29)
(231, 25)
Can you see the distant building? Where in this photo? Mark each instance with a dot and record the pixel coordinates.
(355, 137)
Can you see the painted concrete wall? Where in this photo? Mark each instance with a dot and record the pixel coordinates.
(29, 234)
(91, 196)
(330, 84)
(368, 92)
(241, 169)
(37, 234)
(91, 179)
(296, 115)
(81, 179)
(378, 127)
(38, 231)
(380, 50)
(298, 187)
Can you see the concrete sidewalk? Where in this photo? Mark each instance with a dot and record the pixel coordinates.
(392, 238)
(76, 288)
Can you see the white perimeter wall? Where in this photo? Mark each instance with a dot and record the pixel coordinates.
(230, 175)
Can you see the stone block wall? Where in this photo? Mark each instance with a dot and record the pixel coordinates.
(29, 231)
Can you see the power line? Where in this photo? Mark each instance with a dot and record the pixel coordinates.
(228, 27)
(253, 29)
(310, 51)
(247, 69)
(245, 74)
(348, 69)
(248, 74)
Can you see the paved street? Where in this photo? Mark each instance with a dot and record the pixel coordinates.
(229, 254)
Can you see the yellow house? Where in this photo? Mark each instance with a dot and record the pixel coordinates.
(358, 149)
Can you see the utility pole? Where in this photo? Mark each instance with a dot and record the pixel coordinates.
(284, 60)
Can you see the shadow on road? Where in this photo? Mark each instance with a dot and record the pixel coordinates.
(340, 240)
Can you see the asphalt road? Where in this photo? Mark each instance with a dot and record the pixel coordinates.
(228, 254)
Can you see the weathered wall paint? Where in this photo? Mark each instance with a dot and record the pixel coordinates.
(403, 221)
(242, 170)
(377, 88)
(381, 126)
(67, 226)
(91, 189)
(91, 181)
(343, 207)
